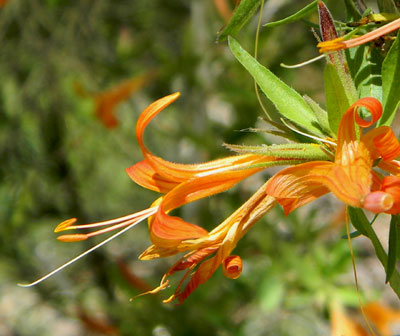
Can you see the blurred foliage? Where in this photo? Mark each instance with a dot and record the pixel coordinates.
(58, 160)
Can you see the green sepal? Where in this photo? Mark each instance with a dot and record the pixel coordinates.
(285, 135)
(287, 101)
(310, 152)
(320, 114)
(360, 222)
(274, 163)
(296, 16)
(393, 246)
(391, 83)
(242, 14)
(283, 131)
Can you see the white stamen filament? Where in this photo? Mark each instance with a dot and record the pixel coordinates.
(308, 135)
(111, 221)
(299, 65)
(48, 275)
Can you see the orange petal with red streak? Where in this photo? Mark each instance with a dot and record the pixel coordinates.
(167, 231)
(392, 167)
(175, 172)
(143, 174)
(232, 266)
(299, 185)
(382, 143)
(391, 185)
(346, 131)
(201, 275)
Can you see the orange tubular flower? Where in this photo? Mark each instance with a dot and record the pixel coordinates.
(182, 184)
(340, 43)
(351, 176)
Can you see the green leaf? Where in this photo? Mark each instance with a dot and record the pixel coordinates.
(287, 151)
(288, 102)
(356, 234)
(352, 12)
(243, 13)
(337, 97)
(391, 83)
(360, 222)
(295, 17)
(393, 242)
(387, 6)
(365, 68)
(320, 114)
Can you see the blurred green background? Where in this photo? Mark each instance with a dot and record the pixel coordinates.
(59, 160)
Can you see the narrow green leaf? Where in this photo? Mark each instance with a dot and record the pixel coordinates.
(243, 13)
(398, 242)
(295, 17)
(288, 102)
(393, 242)
(337, 99)
(391, 83)
(387, 6)
(360, 222)
(352, 12)
(356, 233)
(320, 114)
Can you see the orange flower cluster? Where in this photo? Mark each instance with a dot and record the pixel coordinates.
(350, 177)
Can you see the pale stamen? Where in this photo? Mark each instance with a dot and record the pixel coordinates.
(65, 225)
(154, 209)
(308, 135)
(299, 65)
(98, 232)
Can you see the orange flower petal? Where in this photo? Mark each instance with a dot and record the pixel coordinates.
(175, 172)
(167, 231)
(382, 317)
(343, 325)
(391, 185)
(382, 142)
(232, 266)
(192, 259)
(347, 132)
(107, 101)
(392, 167)
(299, 185)
(143, 174)
(202, 274)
